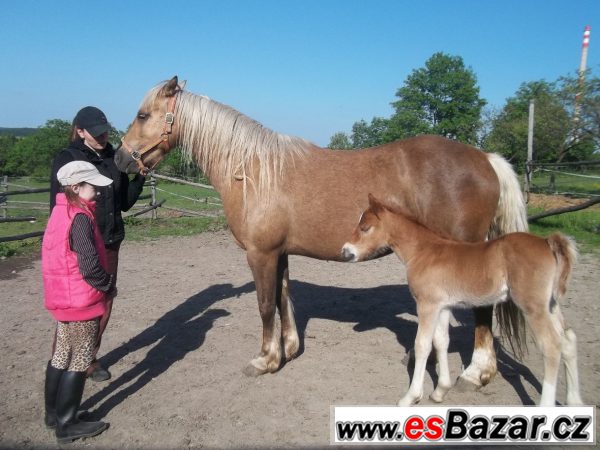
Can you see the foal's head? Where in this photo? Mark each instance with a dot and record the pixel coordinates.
(369, 239)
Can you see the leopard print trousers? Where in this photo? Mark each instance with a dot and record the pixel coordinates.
(75, 342)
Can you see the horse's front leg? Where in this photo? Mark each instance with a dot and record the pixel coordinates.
(441, 340)
(428, 314)
(264, 269)
(289, 331)
(483, 362)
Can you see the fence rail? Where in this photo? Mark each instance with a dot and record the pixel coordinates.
(137, 210)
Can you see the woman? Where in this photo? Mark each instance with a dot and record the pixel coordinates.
(89, 142)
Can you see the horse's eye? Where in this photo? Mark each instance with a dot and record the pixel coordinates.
(142, 116)
(365, 227)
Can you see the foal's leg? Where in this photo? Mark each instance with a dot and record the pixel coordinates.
(483, 362)
(289, 332)
(568, 347)
(441, 340)
(264, 270)
(428, 318)
(569, 352)
(549, 340)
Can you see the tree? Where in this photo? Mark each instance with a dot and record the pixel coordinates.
(340, 141)
(7, 142)
(581, 99)
(556, 135)
(369, 135)
(442, 98)
(32, 155)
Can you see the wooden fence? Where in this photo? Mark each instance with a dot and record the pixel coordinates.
(138, 209)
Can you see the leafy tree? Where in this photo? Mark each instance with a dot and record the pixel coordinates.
(441, 98)
(32, 155)
(556, 135)
(581, 99)
(340, 141)
(7, 142)
(369, 135)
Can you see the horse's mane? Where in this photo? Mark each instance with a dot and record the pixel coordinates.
(227, 144)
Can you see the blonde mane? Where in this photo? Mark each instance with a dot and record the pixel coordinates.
(227, 144)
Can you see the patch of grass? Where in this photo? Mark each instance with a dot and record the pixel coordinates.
(137, 229)
(562, 182)
(583, 225)
(20, 248)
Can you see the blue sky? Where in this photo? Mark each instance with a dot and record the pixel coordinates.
(305, 68)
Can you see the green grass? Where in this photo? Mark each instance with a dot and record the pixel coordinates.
(136, 228)
(583, 226)
(148, 229)
(567, 183)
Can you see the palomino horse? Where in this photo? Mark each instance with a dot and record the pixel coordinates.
(282, 195)
(528, 270)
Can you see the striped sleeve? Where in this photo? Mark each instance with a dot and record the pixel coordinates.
(82, 243)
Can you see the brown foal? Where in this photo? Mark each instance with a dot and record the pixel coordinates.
(528, 270)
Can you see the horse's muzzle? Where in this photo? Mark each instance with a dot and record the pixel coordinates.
(124, 161)
(348, 253)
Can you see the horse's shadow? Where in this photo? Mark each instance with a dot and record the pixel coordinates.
(176, 333)
(387, 307)
(184, 329)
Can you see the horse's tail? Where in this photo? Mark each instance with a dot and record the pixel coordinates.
(565, 252)
(511, 216)
(511, 213)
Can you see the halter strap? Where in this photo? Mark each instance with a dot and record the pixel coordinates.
(164, 136)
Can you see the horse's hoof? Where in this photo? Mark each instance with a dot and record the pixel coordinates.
(464, 385)
(252, 371)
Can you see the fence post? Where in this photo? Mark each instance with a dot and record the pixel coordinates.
(153, 192)
(5, 184)
(529, 150)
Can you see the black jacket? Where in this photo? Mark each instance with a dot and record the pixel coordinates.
(119, 196)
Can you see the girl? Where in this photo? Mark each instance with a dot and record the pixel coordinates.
(76, 288)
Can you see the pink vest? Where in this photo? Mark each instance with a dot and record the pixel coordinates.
(67, 295)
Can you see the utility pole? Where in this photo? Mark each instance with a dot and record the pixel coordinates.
(529, 150)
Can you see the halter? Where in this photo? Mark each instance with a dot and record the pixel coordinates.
(164, 136)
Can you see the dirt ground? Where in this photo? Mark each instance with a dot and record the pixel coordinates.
(186, 322)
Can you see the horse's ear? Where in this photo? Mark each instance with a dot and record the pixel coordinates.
(375, 205)
(171, 88)
(182, 85)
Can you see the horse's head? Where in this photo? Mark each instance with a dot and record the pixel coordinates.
(369, 239)
(153, 132)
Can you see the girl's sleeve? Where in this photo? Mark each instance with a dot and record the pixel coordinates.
(82, 243)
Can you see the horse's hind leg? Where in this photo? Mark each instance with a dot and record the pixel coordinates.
(548, 337)
(264, 269)
(289, 331)
(441, 340)
(568, 350)
(483, 362)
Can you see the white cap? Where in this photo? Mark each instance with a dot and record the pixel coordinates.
(77, 172)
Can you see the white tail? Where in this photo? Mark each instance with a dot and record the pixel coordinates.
(511, 214)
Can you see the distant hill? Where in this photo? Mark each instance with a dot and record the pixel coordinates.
(18, 132)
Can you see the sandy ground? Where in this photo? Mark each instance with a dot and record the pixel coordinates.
(186, 322)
